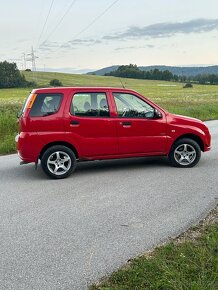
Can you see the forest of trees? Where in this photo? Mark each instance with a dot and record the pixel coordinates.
(132, 71)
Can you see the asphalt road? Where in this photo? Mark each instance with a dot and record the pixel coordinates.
(68, 233)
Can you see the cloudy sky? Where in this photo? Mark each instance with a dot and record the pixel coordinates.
(83, 35)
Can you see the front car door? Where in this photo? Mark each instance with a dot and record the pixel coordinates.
(139, 129)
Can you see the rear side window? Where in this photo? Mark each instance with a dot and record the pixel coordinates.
(90, 104)
(46, 104)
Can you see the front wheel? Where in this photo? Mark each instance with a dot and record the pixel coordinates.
(58, 161)
(185, 153)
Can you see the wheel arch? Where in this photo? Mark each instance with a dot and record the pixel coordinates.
(70, 146)
(194, 137)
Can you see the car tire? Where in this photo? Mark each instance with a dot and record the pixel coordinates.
(58, 161)
(185, 153)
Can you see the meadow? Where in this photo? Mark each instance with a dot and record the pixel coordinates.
(201, 101)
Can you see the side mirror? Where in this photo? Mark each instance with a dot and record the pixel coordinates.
(157, 114)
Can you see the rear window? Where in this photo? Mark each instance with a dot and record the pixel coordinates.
(46, 104)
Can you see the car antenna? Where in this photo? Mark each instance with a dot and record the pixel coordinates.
(122, 83)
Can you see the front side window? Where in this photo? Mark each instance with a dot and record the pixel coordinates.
(130, 106)
(46, 104)
(90, 104)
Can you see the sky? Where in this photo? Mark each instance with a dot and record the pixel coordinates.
(85, 35)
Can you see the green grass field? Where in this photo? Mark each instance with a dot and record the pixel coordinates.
(201, 101)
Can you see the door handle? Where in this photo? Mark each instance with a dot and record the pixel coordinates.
(126, 123)
(74, 122)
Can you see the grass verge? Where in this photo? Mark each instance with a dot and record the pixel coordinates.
(188, 262)
(8, 127)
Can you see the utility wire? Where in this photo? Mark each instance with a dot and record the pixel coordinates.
(85, 28)
(46, 20)
(96, 18)
(62, 18)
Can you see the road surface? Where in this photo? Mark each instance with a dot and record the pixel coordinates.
(65, 234)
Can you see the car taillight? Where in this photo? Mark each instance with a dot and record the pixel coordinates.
(31, 101)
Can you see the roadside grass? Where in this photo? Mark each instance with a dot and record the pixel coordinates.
(188, 262)
(8, 126)
(200, 102)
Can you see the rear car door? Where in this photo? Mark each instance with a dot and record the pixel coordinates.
(90, 125)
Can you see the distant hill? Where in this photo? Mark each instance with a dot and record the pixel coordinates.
(177, 70)
(103, 71)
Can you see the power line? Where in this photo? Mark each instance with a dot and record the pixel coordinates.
(62, 18)
(96, 18)
(88, 26)
(46, 20)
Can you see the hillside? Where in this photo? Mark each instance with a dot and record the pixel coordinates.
(73, 80)
(187, 71)
(103, 71)
(200, 101)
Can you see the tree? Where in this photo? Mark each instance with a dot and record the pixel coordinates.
(188, 85)
(10, 76)
(213, 79)
(56, 83)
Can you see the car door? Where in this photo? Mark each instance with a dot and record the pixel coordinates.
(140, 130)
(90, 124)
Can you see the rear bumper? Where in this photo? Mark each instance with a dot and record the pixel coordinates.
(28, 147)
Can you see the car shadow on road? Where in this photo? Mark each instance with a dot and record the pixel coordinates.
(86, 168)
(120, 164)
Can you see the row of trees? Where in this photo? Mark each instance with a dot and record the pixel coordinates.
(132, 71)
(211, 79)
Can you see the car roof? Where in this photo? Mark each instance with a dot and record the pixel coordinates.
(81, 89)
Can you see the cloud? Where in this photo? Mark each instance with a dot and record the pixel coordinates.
(79, 42)
(134, 47)
(67, 46)
(158, 30)
(166, 29)
(48, 45)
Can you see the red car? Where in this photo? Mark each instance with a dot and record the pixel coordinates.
(61, 126)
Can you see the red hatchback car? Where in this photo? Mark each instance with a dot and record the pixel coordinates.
(61, 126)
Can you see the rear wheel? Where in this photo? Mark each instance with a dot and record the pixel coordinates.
(185, 153)
(58, 161)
